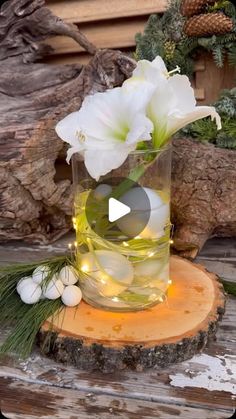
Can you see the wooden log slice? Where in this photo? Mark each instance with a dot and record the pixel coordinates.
(170, 332)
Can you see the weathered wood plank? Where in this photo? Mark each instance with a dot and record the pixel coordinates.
(170, 385)
(222, 250)
(17, 252)
(115, 34)
(35, 401)
(221, 78)
(219, 249)
(204, 386)
(89, 10)
(224, 269)
(199, 94)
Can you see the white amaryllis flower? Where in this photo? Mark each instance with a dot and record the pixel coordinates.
(108, 127)
(150, 71)
(173, 104)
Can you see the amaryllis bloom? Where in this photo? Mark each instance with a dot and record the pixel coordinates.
(152, 104)
(108, 127)
(150, 71)
(173, 104)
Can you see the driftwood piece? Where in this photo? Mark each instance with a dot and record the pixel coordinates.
(35, 200)
(203, 194)
(98, 340)
(33, 97)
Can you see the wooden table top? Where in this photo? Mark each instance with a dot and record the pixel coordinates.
(203, 387)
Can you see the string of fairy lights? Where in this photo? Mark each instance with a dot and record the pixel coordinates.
(86, 269)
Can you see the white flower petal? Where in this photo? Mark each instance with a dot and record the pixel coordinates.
(161, 105)
(98, 114)
(105, 118)
(67, 129)
(135, 97)
(184, 93)
(152, 72)
(102, 163)
(140, 130)
(71, 151)
(178, 121)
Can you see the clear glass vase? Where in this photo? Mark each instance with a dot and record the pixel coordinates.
(124, 265)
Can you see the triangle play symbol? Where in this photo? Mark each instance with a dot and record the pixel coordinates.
(117, 209)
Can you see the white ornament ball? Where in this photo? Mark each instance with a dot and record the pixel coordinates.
(54, 288)
(23, 282)
(68, 275)
(102, 191)
(103, 262)
(40, 273)
(147, 268)
(31, 293)
(71, 296)
(158, 211)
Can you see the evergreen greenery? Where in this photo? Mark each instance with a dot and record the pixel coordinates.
(205, 129)
(164, 36)
(25, 320)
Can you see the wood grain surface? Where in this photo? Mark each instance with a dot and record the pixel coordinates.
(88, 10)
(203, 387)
(169, 332)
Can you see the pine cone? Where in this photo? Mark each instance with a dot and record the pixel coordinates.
(194, 7)
(208, 24)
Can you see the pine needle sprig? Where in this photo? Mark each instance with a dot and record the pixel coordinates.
(24, 319)
(29, 320)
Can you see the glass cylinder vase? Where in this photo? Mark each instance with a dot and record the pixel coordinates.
(124, 264)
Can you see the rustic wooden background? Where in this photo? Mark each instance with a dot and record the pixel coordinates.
(113, 24)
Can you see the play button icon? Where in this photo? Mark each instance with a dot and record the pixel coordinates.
(117, 210)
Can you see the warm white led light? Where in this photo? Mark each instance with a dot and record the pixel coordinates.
(84, 268)
(115, 299)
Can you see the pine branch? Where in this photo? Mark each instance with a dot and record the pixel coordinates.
(230, 287)
(218, 54)
(25, 319)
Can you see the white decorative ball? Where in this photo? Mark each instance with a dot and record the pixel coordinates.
(102, 191)
(68, 275)
(152, 273)
(31, 293)
(23, 282)
(40, 273)
(54, 288)
(158, 213)
(147, 268)
(71, 296)
(102, 262)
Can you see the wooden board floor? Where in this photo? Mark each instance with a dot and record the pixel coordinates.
(203, 387)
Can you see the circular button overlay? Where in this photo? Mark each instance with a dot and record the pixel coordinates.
(118, 209)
